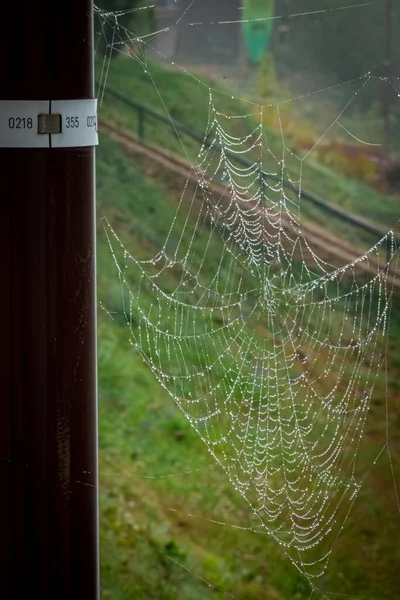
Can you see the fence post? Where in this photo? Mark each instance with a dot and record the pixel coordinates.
(141, 129)
(389, 249)
(48, 415)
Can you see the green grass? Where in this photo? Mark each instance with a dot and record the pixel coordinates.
(174, 93)
(169, 515)
(146, 522)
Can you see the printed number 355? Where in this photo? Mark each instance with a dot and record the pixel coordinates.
(71, 122)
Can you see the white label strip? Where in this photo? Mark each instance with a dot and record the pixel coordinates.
(78, 123)
(22, 121)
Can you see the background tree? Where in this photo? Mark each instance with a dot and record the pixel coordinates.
(112, 29)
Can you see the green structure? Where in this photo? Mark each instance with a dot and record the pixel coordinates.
(257, 26)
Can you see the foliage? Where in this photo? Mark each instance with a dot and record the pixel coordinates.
(267, 79)
(126, 16)
(352, 161)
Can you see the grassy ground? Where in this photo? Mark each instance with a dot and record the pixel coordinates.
(176, 94)
(146, 522)
(172, 527)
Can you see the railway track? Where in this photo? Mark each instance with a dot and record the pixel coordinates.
(161, 164)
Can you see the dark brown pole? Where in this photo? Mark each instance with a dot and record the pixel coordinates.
(48, 417)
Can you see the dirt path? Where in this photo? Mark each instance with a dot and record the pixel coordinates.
(160, 164)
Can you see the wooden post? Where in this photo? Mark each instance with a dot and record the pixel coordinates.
(48, 414)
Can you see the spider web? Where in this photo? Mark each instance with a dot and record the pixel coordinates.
(290, 345)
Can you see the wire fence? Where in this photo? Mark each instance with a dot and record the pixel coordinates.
(144, 113)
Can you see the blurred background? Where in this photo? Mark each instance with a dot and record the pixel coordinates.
(326, 75)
